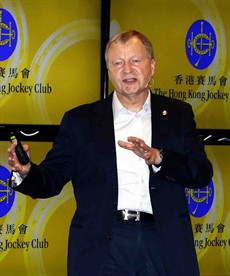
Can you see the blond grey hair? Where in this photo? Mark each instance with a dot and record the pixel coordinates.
(123, 37)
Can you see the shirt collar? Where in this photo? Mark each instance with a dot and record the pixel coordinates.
(118, 107)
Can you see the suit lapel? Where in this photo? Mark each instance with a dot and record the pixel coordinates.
(160, 124)
(105, 139)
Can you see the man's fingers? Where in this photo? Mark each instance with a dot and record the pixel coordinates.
(125, 145)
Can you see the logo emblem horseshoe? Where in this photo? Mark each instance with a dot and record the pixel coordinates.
(8, 34)
(201, 44)
(7, 195)
(200, 200)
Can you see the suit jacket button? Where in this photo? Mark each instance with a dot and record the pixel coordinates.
(109, 237)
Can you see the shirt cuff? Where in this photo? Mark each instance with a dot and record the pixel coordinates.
(16, 179)
(156, 169)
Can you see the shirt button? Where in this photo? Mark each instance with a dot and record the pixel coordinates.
(108, 237)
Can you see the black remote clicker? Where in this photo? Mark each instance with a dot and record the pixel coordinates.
(22, 156)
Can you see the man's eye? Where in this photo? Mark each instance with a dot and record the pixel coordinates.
(117, 63)
(135, 61)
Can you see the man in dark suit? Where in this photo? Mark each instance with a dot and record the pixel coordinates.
(129, 158)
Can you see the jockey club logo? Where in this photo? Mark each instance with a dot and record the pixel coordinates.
(7, 195)
(8, 34)
(200, 200)
(201, 44)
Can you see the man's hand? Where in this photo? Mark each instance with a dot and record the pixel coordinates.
(138, 146)
(16, 166)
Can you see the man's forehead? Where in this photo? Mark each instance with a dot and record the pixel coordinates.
(135, 43)
(130, 40)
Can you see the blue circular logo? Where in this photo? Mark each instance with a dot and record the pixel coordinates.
(201, 44)
(200, 200)
(7, 195)
(8, 34)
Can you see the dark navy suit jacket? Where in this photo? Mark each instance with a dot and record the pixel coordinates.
(84, 153)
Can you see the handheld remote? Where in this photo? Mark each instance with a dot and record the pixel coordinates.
(22, 156)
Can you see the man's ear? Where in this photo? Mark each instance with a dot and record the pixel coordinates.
(153, 62)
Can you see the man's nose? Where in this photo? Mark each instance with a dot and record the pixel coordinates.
(127, 67)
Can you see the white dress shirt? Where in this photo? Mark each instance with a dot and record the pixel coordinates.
(133, 172)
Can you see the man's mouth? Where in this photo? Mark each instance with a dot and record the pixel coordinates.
(129, 80)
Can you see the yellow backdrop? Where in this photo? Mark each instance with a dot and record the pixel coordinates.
(167, 23)
(59, 45)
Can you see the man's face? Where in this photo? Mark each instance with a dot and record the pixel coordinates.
(129, 67)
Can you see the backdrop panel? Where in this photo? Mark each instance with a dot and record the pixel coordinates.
(54, 66)
(49, 63)
(191, 41)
